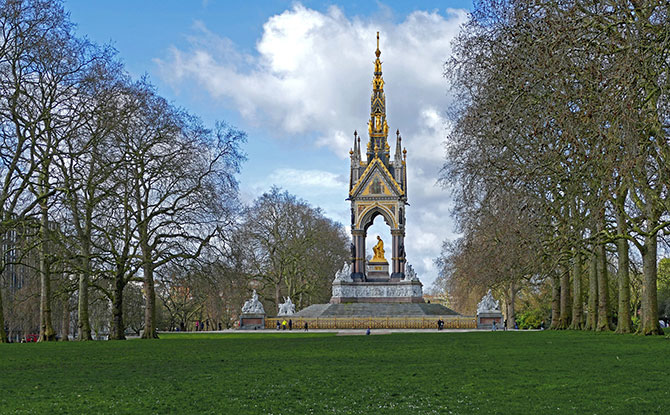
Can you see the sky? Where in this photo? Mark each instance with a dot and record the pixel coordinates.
(296, 77)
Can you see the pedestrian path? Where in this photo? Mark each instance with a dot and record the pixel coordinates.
(342, 332)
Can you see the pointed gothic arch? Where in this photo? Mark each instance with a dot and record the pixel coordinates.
(369, 216)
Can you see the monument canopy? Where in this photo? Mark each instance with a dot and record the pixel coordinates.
(377, 187)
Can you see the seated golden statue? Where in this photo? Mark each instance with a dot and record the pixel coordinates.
(378, 251)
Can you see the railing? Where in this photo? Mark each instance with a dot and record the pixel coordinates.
(450, 322)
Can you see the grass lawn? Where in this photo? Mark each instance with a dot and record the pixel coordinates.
(304, 373)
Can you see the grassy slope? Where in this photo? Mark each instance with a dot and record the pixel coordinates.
(296, 373)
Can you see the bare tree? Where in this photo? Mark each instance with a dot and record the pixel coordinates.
(292, 248)
(41, 66)
(183, 185)
(567, 102)
(84, 167)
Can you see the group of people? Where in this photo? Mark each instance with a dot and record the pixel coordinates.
(284, 324)
(201, 326)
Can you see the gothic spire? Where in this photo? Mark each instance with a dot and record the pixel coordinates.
(356, 152)
(377, 126)
(398, 147)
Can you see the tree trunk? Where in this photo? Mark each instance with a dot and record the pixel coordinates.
(47, 332)
(84, 325)
(564, 320)
(3, 333)
(148, 284)
(117, 331)
(510, 313)
(603, 290)
(150, 306)
(592, 306)
(577, 300)
(649, 322)
(555, 301)
(65, 336)
(624, 324)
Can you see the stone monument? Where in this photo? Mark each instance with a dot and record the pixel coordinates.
(253, 314)
(377, 187)
(488, 312)
(379, 287)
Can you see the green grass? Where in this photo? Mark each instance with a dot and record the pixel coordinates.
(304, 373)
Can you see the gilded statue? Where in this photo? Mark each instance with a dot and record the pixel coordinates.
(378, 251)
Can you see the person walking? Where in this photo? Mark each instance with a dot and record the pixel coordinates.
(306, 326)
(278, 325)
(290, 324)
(283, 325)
(367, 332)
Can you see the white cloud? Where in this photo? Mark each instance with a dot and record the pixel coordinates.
(307, 178)
(310, 78)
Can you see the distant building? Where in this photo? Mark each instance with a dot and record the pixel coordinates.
(19, 255)
(20, 276)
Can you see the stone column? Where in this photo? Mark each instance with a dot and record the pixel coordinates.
(398, 257)
(358, 271)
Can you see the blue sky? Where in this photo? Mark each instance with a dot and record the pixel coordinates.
(296, 77)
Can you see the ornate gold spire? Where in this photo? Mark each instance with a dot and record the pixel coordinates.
(378, 81)
(377, 126)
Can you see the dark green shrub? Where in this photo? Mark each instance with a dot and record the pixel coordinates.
(530, 319)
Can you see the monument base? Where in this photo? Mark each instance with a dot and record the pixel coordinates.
(486, 320)
(377, 271)
(377, 292)
(252, 321)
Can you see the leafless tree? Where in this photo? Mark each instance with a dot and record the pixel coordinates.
(567, 103)
(292, 248)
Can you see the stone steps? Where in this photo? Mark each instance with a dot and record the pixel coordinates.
(376, 310)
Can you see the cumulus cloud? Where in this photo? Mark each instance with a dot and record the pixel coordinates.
(310, 78)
